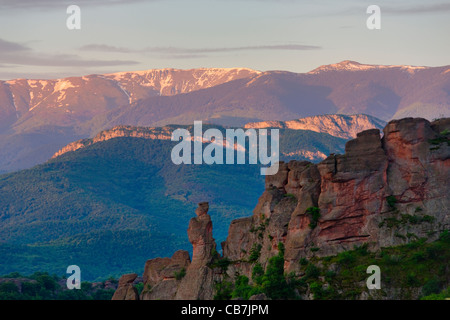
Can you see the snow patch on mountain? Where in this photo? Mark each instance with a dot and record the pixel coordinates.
(349, 65)
(170, 81)
(61, 87)
(33, 83)
(14, 104)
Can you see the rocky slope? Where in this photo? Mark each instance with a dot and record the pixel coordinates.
(337, 125)
(162, 278)
(385, 92)
(38, 117)
(76, 99)
(163, 133)
(348, 65)
(340, 126)
(381, 192)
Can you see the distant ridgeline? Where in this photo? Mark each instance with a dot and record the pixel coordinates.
(39, 117)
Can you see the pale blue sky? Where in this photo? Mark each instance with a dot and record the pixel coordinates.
(119, 35)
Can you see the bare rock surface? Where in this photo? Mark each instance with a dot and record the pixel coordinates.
(126, 290)
(342, 202)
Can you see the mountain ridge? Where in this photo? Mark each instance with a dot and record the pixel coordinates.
(20, 96)
(80, 107)
(340, 126)
(349, 65)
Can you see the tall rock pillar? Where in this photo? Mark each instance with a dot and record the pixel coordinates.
(199, 280)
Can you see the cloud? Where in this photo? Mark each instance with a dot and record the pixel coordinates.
(18, 54)
(183, 56)
(4, 76)
(107, 48)
(49, 4)
(195, 52)
(60, 60)
(295, 47)
(7, 46)
(430, 8)
(405, 9)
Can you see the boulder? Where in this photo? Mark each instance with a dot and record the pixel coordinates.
(126, 290)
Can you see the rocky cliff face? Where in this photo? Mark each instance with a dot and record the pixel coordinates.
(21, 96)
(342, 126)
(163, 133)
(125, 289)
(380, 192)
(367, 195)
(38, 117)
(179, 277)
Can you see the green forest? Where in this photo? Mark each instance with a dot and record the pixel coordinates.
(112, 205)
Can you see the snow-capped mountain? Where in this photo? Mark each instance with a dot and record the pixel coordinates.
(349, 65)
(81, 98)
(169, 82)
(38, 117)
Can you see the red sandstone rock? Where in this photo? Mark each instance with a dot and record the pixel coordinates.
(125, 290)
(198, 282)
(351, 191)
(410, 163)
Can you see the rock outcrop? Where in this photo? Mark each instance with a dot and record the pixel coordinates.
(126, 290)
(179, 277)
(366, 195)
(198, 283)
(163, 133)
(162, 276)
(341, 126)
(381, 192)
(337, 125)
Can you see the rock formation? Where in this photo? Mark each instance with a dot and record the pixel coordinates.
(163, 133)
(379, 191)
(179, 277)
(375, 181)
(162, 276)
(126, 290)
(342, 126)
(199, 280)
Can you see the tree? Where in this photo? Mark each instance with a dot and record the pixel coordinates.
(274, 283)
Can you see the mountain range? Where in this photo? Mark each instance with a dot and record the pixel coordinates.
(96, 185)
(38, 117)
(311, 134)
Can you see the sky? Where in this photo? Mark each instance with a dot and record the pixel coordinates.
(291, 35)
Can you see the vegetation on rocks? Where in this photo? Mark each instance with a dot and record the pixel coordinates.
(415, 270)
(418, 270)
(314, 213)
(43, 286)
(273, 283)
